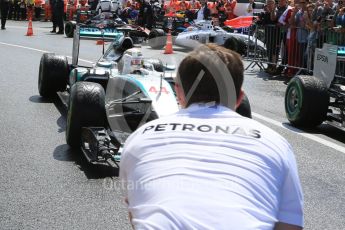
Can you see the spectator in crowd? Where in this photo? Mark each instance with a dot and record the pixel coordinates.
(204, 12)
(229, 9)
(93, 4)
(4, 5)
(38, 7)
(57, 16)
(146, 15)
(194, 4)
(312, 36)
(104, 6)
(298, 20)
(340, 20)
(250, 8)
(10, 9)
(183, 6)
(16, 10)
(207, 167)
(214, 12)
(281, 36)
(30, 9)
(290, 40)
(221, 11)
(47, 11)
(269, 20)
(321, 18)
(22, 6)
(53, 18)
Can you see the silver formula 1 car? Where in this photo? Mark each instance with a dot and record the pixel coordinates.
(109, 100)
(204, 32)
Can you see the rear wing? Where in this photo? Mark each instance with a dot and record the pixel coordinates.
(93, 33)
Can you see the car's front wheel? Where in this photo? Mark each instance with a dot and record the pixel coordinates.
(306, 101)
(53, 74)
(244, 108)
(157, 39)
(69, 28)
(86, 108)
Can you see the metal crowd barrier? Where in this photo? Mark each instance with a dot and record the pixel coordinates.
(293, 48)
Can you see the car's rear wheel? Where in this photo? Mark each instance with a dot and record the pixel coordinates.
(306, 101)
(69, 28)
(86, 108)
(244, 108)
(53, 74)
(236, 45)
(156, 39)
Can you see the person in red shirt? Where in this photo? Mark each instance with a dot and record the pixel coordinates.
(229, 9)
(194, 5)
(183, 6)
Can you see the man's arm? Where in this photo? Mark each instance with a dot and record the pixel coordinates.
(284, 226)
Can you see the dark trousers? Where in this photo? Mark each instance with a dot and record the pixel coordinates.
(59, 18)
(16, 12)
(4, 12)
(22, 13)
(53, 19)
(37, 13)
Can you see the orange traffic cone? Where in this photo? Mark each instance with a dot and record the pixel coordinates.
(30, 31)
(99, 42)
(169, 46)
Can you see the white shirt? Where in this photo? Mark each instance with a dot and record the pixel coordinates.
(210, 168)
(200, 15)
(249, 10)
(104, 6)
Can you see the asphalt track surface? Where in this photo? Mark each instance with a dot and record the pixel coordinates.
(46, 185)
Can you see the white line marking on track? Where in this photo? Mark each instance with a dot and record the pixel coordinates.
(301, 132)
(38, 50)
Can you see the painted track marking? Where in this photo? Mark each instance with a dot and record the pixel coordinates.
(301, 132)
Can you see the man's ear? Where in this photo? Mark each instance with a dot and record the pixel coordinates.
(180, 95)
(239, 99)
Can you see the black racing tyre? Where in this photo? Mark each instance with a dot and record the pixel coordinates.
(306, 101)
(236, 45)
(53, 74)
(69, 28)
(244, 108)
(157, 39)
(86, 108)
(231, 43)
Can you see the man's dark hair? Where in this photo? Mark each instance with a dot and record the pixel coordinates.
(207, 60)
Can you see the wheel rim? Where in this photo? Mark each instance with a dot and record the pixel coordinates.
(293, 101)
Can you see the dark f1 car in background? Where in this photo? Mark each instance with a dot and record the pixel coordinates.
(311, 100)
(106, 20)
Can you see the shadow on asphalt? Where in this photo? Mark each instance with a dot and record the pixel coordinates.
(323, 129)
(91, 171)
(61, 121)
(39, 99)
(266, 77)
(65, 153)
